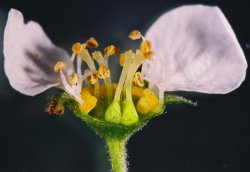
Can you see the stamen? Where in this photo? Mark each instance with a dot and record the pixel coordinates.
(78, 48)
(103, 72)
(92, 43)
(93, 78)
(72, 58)
(73, 79)
(146, 49)
(81, 79)
(97, 55)
(85, 56)
(143, 38)
(122, 58)
(79, 67)
(130, 78)
(148, 55)
(59, 66)
(138, 79)
(146, 46)
(111, 50)
(135, 34)
(68, 88)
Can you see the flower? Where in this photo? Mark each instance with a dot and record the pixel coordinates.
(181, 51)
(191, 48)
(196, 50)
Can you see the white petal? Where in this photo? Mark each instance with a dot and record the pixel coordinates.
(30, 56)
(196, 50)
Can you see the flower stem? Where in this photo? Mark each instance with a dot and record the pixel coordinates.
(117, 154)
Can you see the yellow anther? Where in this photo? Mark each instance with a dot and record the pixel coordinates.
(147, 103)
(138, 79)
(92, 43)
(135, 34)
(59, 66)
(78, 48)
(148, 55)
(97, 55)
(146, 49)
(146, 46)
(93, 78)
(73, 79)
(89, 102)
(122, 59)
(103, 72)
(111, 50)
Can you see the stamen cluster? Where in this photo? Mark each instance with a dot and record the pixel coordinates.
(114, 101)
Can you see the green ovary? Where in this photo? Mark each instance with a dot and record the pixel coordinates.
(129, 115)
(113, 112)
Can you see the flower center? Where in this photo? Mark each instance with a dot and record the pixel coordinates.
(124, 102)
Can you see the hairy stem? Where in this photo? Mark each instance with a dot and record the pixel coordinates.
(117, 154)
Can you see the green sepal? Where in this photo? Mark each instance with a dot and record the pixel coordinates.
(170, 98)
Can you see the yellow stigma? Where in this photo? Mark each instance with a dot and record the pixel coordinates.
(122, 58)
(78, 47)
(89, 102)
(135, 34)
(147, 103)
(93, 78)
(73, 79)
(103, 72)
(92, 43)
(59, 66)
(138, 79)
(97, 55)
(111, 50)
